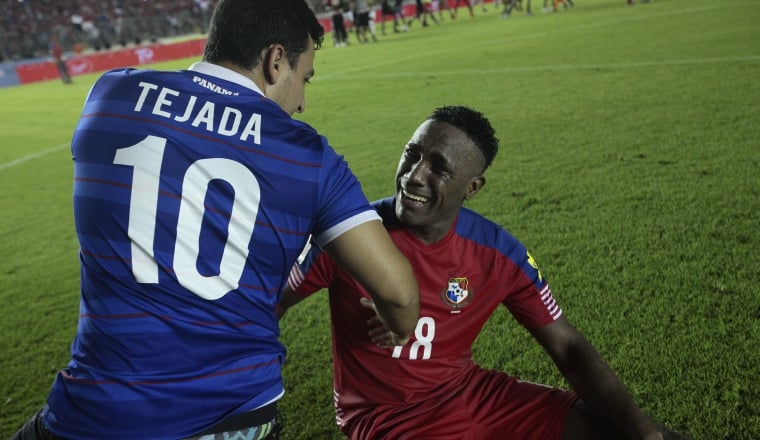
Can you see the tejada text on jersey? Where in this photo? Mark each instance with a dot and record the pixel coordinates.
(229, 122)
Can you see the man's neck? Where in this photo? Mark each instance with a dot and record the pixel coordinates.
(255, 74)
(430, 234)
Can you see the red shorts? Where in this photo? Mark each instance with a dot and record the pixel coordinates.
(490, 406)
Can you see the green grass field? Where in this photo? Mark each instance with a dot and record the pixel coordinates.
(630, 166)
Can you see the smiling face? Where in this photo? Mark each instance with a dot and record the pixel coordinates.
(439, 169)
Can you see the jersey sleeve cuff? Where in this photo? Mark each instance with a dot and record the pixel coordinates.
(347, 224)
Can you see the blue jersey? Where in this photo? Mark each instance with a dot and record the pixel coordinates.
(193, 196)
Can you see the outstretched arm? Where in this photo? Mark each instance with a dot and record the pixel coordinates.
(596, 383)
(367, 253)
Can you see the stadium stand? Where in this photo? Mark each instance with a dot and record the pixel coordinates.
(80, 25)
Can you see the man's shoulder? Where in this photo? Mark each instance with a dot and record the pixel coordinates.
(130, 72)
(385, 209)
(470, 216)
(127, 75)
(479, 228)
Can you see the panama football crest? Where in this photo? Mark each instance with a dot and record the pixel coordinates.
(457, 294)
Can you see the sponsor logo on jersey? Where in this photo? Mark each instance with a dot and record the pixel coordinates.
(213, 87)
(457, 293)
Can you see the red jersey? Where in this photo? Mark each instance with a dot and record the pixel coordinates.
(56, 50)
(462, 279)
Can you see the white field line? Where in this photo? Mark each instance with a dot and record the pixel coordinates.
(364, 68)
(636, 65)
(32, 156)
(466, 45)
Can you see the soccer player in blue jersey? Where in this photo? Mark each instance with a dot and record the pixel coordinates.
(466, 266)
(194, 193)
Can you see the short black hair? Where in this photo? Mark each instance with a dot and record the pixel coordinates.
(474, 124)
(241, 30)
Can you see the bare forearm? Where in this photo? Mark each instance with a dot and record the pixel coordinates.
(368, 254)
(593, 380)
(600, 388)
(401, 320)
(397, 310)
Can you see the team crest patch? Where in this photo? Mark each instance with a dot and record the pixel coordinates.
(457, 294)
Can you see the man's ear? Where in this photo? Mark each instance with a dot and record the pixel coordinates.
(273, 63)
(474, 186)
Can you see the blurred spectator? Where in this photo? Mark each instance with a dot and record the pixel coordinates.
(392, 11)
(481, 3)
(27, 26)
(361, 12)
(56, 51)
(423, 11)
(340, 34)
(466, 3)
(203, 11)
(437, 6)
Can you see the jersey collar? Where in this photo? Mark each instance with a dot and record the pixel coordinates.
(225, 74)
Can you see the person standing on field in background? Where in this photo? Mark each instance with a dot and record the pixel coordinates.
(340, 35)
(361, 14)
(194, 193)
(481, 3)
(398, 6)
(438, 6)
(509, 5)
(386, 10)
(467, 266)
(466, 3)
(424, 11)
(56, 51)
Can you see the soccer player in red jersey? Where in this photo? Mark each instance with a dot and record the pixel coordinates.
(466, 266)
(56, 51)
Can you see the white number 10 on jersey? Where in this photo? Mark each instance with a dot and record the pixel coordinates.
(146, 157)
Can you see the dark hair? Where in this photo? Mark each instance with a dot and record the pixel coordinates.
(474, 124)
(241, 30)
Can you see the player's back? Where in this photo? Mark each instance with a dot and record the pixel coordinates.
(192, 198)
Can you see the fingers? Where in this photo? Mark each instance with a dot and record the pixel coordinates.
(374, 322)
(378, 334)
(389, 340)
(377, 330)
(368, 303)
(397, 340)
(385, 340)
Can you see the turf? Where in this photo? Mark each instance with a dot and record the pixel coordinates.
(629, 165)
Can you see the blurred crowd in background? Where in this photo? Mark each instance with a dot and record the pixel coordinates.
(40, 28)
(28, 28)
